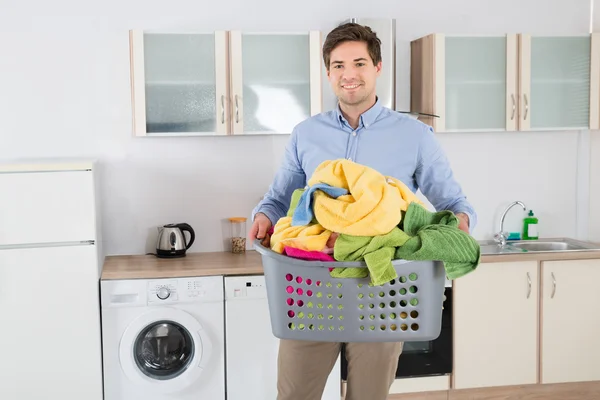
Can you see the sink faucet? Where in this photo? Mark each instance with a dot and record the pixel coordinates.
(501, 236)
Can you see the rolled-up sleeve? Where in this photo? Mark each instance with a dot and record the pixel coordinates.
(436, 180)
(289, 177)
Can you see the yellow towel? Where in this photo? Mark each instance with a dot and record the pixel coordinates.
(373, 206)
(306, 237)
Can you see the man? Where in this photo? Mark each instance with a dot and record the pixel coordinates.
(362, 130)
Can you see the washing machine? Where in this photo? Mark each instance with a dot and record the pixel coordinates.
(163, 339)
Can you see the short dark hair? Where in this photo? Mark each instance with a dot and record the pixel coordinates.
(352, 32)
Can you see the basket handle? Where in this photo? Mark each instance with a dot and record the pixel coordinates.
(265, 251)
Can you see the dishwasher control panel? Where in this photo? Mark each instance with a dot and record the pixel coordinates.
(246, 287)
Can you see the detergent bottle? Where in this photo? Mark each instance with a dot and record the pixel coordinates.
(530, 227)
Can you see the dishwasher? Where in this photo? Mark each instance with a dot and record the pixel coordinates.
(250, 347)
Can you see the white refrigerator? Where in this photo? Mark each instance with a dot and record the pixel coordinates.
(50, 260)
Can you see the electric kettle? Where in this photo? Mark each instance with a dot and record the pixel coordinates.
(171, 241)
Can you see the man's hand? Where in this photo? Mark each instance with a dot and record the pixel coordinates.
(463, 222)
(259, 229)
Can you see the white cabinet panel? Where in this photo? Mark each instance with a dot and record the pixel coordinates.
(570, 321)
(469, 82)
(50, 321)
(251, 347)
(555, 82)
(476, 83)
(496, 326)
(266, 84)
(47, 207)
(178, 83)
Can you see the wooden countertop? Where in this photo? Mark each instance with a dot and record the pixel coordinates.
(193, 264)
(250, 263)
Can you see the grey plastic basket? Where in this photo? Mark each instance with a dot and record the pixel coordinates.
(306, 303)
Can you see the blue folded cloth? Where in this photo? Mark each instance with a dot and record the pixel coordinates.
(304, 214)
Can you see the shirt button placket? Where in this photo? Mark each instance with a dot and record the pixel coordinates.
(353, 147)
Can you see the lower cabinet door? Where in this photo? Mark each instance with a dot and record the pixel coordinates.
(496, 326)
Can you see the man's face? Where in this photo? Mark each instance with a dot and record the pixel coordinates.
(352, 73)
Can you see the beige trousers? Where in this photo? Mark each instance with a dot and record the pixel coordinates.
(303, 369)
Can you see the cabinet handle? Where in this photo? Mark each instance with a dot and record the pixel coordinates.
(528, 285)
(514, 106)
(526, 106)
(222, 109)
(237, 109)
(553, 285)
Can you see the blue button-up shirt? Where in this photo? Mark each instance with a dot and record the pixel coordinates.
(385, 140)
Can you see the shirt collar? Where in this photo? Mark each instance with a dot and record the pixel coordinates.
(366, 119)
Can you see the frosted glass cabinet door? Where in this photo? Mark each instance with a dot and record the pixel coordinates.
(556, 90)
(480, 77)
(179, 83)
(276, 80)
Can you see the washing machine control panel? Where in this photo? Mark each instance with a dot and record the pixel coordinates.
(195, 289)
(161, 291)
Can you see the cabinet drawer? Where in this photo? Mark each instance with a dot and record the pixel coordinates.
(47, 207)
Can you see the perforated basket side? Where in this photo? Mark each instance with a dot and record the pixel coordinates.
(306, 303)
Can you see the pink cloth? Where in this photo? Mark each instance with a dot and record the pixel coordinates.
(307, 255)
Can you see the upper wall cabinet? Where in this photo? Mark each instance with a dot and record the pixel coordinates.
(505, 83)
(223, 83)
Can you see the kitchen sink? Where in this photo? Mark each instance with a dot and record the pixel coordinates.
(495, 249)
(489, 247)
(546, 246)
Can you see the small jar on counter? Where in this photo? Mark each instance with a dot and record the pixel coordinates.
(238, 234)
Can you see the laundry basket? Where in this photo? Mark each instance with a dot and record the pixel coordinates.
(306, 303)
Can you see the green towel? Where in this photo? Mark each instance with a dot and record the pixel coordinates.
(296, 194)
(436, 237)
(424, 236)
(417, 216)
(459, 251)
(376, 251)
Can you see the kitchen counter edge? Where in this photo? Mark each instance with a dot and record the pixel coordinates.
(193, 264)
(250, 263)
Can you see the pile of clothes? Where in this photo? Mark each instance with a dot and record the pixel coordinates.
(351, 212)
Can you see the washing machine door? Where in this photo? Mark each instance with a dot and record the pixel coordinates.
(165, 349)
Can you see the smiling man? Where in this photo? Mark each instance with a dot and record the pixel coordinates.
(362, 130)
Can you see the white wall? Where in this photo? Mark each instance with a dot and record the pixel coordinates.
(64, 76)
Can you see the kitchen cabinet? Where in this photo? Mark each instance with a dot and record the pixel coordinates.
(496, 326)
(570, 322)
(223, 83)
(513, 82)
